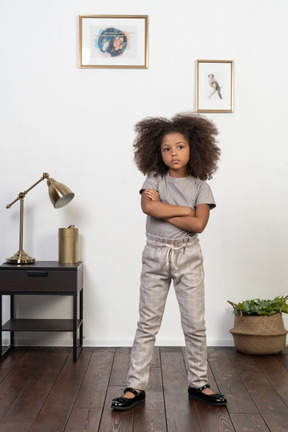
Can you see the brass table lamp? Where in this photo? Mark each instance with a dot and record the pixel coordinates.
(59, 194)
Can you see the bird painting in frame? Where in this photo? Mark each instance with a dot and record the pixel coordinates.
(214, 85)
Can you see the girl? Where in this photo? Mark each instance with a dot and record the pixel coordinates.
(177, 156)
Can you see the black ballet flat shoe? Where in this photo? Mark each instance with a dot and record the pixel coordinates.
(122, 403)
(216, 399)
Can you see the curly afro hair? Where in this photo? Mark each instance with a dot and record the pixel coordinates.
(199, 132)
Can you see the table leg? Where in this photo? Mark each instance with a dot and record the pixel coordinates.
(3, 350)
(12, 317)
(1, 325)
(81, 319)
(75, 327)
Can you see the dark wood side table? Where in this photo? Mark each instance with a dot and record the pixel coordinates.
(43, 278)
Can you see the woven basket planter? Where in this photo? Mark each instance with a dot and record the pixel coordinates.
(259, 335)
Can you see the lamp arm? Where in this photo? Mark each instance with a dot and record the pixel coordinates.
(23, 194)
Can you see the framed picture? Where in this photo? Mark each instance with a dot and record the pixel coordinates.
(214, 87)
(113, 41)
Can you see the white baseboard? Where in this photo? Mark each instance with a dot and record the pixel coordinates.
(160, 342)
(47, 340)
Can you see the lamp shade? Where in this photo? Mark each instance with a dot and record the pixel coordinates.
(59, 194)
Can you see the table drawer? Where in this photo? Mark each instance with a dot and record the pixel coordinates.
(38, 280)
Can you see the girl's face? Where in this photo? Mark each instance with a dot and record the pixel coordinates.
(175, 153)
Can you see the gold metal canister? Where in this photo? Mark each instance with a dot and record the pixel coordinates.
(68, 245)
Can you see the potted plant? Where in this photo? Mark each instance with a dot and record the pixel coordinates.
(258, 326)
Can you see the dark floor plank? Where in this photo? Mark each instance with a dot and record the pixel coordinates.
(26, 408)
(283, 357)
(9, 360)
(120, 367)
(217, 352)
(95, 383)
(273, 410)
(230, 384)
(151, 417)
(211, 380)
(276, 374)
(250, 372)
(83, 420)
(180, 412)
(57, 408)
(16, 380)
(156, 358)
(220, 354)
(88, 406)
(214, 419)
(249, 423)
(114, 421)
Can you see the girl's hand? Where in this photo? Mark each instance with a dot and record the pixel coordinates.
(152, 194)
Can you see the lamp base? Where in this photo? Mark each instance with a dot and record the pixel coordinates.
(20, 257)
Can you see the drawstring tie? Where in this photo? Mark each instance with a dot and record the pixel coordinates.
(170, 252)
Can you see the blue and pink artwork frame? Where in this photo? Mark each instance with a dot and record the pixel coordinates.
(113, 41)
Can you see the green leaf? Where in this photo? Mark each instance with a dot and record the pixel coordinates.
(258, 307)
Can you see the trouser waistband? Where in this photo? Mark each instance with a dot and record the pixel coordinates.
(175, 242)
(171, 245)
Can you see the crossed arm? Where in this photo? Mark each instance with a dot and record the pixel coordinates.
(182, 217)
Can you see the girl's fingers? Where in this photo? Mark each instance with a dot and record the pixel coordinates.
(151, 193)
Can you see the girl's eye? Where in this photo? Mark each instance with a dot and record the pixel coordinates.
(166, 149)
(180, 147)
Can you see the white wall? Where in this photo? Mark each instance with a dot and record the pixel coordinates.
(78, 124)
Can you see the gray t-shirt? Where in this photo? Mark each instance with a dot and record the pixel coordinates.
(188, 191)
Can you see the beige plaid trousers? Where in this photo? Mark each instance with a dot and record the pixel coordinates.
(163, 261)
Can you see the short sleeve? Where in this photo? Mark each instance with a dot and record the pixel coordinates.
(205, 195)
(151, 182)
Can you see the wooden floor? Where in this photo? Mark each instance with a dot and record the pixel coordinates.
(42, 390)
